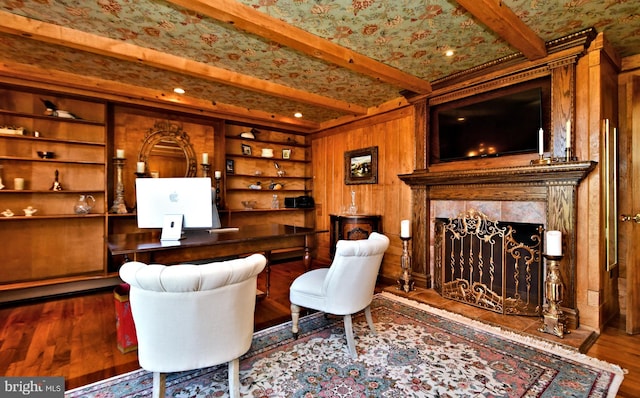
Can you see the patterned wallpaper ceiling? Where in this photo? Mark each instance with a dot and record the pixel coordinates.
(409, 35)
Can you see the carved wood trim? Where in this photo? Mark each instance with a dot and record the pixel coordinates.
(501, 82)
(563, 97)
(421, 121)
(579, 41)
(420, 240)
(534, 174)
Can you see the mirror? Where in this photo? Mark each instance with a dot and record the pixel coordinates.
(167, 152)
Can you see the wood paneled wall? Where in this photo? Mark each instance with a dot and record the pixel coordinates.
(393, 134)
(596, 100)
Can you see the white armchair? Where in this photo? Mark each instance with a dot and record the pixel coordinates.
(193, 316)
(345, 288)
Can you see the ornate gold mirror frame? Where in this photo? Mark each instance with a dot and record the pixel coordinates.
(169, 141)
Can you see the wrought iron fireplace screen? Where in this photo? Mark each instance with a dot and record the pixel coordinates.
(489, 264)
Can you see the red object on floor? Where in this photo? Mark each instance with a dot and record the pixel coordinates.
(125, 328)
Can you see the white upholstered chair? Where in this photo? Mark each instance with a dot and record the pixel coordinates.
(345, 288)
(193, 316)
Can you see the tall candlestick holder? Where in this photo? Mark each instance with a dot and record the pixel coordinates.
(218, 199)
(553, 319)
(119, 206)
(568, 157)
(206, 169)
(140, 175)
(405, 282)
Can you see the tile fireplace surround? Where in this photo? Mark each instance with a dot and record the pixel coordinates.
(545, 194)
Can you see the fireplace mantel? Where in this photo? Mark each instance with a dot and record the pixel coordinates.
(563, 172)
(555, 184)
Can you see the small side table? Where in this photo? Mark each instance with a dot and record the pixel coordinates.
(352, 227)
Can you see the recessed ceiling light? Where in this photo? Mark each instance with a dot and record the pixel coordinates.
(449, 53)
(297, 114)
(178, 90)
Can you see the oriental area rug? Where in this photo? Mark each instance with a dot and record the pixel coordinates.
(418, 351)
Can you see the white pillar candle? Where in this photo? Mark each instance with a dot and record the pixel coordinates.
(540, 142)
(18, 184)
(120, 153)
(568, 133)
(205, 158)
(554, 243)
(405, 229)
(140, 167)
(217, 174)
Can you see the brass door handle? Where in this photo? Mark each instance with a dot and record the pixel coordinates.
(635, 218)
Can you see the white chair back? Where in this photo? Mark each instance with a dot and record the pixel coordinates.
(192, 316)
(351, 279)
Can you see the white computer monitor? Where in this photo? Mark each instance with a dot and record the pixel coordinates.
(176, 203)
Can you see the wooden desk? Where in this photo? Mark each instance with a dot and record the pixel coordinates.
(202, 245)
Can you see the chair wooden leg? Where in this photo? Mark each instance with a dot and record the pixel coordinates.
(159, 384)
(367, 314)
(295, 317)
(234, 378)
(348, 332)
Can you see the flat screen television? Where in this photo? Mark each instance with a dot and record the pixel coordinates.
(191, 198)
(497, 123)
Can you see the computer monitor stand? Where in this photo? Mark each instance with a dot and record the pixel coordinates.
(172, 228)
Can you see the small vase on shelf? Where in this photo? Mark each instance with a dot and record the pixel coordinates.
(353, 209)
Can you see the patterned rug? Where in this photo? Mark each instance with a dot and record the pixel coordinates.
(419, 351)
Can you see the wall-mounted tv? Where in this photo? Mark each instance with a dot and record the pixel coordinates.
(496, 123)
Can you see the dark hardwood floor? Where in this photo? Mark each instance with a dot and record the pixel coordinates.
(75, 336)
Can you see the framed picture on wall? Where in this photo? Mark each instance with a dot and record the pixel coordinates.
(286, 153)
(361, 166)
(246, 149)
(231, 167)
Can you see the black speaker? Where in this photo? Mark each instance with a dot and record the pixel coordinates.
(300, 202)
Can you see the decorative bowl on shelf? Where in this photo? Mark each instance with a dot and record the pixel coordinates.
(249, 204)
(46, 154)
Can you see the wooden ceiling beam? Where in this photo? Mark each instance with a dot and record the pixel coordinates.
(503, 21)
(17, 73)
(246, 18)
(60, 35)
